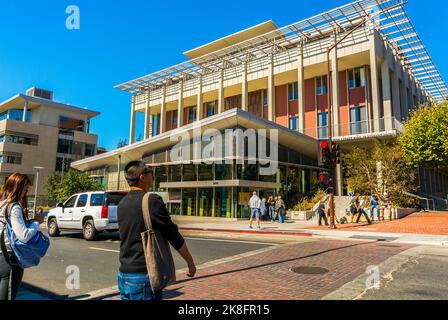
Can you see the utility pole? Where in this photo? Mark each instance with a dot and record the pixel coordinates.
(36, 188)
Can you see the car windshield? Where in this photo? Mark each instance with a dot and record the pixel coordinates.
(114, 198)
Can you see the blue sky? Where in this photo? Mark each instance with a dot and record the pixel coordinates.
(121, 40)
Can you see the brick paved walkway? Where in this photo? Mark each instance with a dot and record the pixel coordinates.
(417, 223)
(268, 275)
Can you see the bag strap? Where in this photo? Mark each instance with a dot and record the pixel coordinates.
(146, 214)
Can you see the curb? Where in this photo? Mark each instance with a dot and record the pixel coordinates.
(284, 233)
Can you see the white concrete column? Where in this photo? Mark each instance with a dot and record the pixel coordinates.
(244, 90)
(271, 90)
(387, 98)
(335, 91)
(163, 111)
(396, 94)
(404, 95)
(25, 111)
(301, 88)
(221, 92)
(375, 98)
(339, 180)
(199, 108)
(132, 124)
(147, 130)
(180, 105)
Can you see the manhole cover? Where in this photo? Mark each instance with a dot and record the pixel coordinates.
(309, 270)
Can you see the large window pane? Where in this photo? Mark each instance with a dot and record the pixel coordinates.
(189, 172)
(71, 124)
(205, 172)
(223, 171)
(174, 173)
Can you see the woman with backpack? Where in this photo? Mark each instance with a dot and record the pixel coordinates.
(13, 212)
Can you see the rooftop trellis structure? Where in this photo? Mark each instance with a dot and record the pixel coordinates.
(388, 17)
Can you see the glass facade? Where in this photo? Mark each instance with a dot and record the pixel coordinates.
(15, 114)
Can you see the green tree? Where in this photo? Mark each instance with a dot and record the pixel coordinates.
(425, 138)
(74, 181)
(380, 169)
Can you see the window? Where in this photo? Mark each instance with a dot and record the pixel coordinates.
(155, 124)
(65, 146)
(321, 85)
(70, 203)
(191, 114)
(11, 158)
(15, 114)
(96, 200)
(174, 118)
(358, 120)
(322, 125)
(63, 164)
(294, 123)
(71, 124)
(33, 141)
(293, 91)
(82, 201)
(356, 78)
(90, 150)
(209, 109)
(265, 97)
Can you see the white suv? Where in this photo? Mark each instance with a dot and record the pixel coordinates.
(91, 212)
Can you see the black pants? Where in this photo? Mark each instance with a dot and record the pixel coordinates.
(323, 216)
(362, 212)
(5, 275)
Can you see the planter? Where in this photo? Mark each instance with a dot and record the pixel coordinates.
(301, 215)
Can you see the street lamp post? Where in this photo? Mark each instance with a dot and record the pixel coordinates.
(36, 187)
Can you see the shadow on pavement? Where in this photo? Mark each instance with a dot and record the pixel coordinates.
(277, 262)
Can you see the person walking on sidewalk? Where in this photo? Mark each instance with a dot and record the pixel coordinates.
(354, 208)
(322, 213)
(362, 210)
(271, 207)
(281, 209)
(13, 209)
(255, 205)
(133, 279)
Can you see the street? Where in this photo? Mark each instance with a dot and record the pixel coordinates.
(98, 262)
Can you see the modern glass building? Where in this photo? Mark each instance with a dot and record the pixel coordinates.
(277, 78)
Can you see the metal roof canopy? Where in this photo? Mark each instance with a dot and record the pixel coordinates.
(386, 16)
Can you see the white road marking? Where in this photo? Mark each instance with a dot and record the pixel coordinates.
(101, 249)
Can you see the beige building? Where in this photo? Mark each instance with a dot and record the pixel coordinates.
(36, 131)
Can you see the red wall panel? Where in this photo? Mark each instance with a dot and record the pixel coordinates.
(344, 117)
(281, 105)
(357, 96)
(293, 108)
(310, 108)
(322, 103)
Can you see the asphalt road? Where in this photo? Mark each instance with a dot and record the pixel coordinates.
(98, 262)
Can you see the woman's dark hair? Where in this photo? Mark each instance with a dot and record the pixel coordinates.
(13, 192)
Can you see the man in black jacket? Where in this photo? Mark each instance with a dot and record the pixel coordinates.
(133, 280)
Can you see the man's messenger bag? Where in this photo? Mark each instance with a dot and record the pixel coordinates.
(159, 260)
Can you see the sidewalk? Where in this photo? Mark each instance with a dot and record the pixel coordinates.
(305, 271)
(418, 228)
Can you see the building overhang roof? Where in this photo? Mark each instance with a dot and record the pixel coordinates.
(228, 119)
(232, 39)
(18, 101)
(386, 16)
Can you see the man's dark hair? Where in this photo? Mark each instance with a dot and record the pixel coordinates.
(133, 170)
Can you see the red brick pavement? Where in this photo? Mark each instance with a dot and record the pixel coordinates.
(417, 223)
(268, 275)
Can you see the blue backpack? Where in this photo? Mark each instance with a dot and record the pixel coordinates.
(27, 254)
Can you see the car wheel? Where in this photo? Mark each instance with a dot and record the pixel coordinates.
(88, 230)
(52, 227)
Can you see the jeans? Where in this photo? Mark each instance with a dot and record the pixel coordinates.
(372, 211)
(323, 216)
(6, 271)
(255, 213)
(281, 217)
(271, 213)
(136, 287)
(363, 212)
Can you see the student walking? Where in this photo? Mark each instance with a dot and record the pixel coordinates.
(281, 209)
(13, 210)
(354, 208)
(263, 209)
(255, 205)
(322, 213)
(133, 278)
(362, 210)
(374, 207)
(271, 208)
